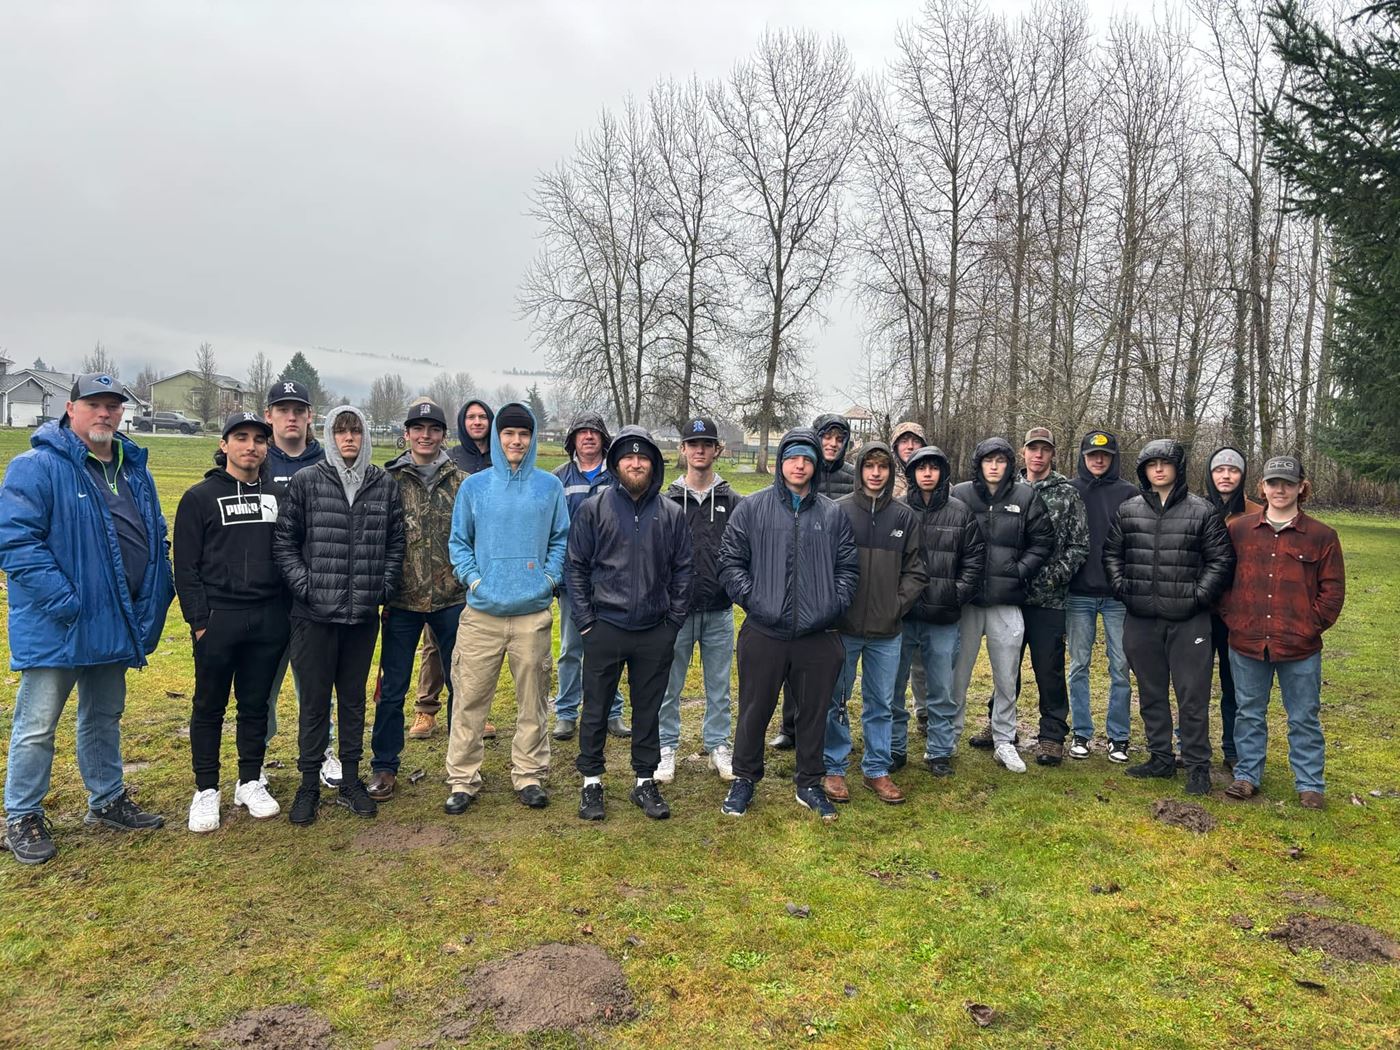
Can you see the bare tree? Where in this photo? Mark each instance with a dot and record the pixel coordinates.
(145, 379)
(99, 360)
(261, 376)
(452, 390)
(787, 129)
(388, 398)
(204, 396)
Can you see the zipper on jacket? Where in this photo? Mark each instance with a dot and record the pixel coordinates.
(796, 560)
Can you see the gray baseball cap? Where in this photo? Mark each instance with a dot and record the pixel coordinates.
(95, 384)
(1283, 468)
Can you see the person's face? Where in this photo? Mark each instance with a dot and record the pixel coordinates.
(797, 471)
(588, 444)
(874, 473)
(700, 453)
(291, 420)
(245, 447)
(1282, 495)
(635, 470)
(515, 442)
(1038, 456)
(95, 419)
(905, 446)
(832, 442)
(1161, 473)
(478, 423)
(1227, 478)
(425, 439)
(994, 468)
(927, 475)
(1098, 463)
(348, 439)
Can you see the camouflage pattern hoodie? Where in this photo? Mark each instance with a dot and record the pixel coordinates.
(1051, 585)
(429, 584)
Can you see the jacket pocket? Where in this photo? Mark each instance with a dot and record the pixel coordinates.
(512, 582)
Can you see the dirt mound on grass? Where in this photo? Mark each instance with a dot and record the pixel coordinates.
(275, 1028)
(398, 838)
(1188, 815)
(552, 986)
(1341, 940)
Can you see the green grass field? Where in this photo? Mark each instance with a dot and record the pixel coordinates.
(981, 889)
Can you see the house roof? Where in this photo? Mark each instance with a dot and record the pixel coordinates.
(857, 412)
(58, 384)
(224, 382)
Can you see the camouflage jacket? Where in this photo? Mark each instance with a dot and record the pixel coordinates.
(1051, 585)
(429, 584)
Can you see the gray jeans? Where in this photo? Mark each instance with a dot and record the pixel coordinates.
(1003, 627)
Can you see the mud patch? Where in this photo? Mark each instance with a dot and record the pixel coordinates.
(275, 1028)
(399, 838)
(551, 986)
(1308, 899)
(1342, 940)
(1188, 815)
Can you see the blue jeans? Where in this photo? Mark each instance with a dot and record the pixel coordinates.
(937, 644)
(398, 644)
(1081, 616)
(1300, 682)
(43, 692)
(714, 631)
(879, 662)
(566, 704)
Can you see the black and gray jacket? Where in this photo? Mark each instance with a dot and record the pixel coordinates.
(955, 555)
(838, 477)
(342, 559)
(465, 454)
(1102, 497)
(1015, 526)
(792, 565)
(1050, 587)
(707, 515)
(1167, 560)
(892, 574)
(629, 561)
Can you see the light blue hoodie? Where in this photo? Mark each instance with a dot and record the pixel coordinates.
(509, 532)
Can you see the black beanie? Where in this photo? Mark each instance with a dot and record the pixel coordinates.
(514, 415)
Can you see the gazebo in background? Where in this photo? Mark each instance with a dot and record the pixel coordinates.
(862, 423)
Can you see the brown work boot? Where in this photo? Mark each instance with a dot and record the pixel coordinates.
(1049, 753)
(424, 725)
(381, 785)
(886, 789)
(1311, 800)
(1241, 790)
(835, 788)
(489, 732)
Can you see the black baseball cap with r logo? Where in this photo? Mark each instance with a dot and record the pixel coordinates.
(288, 390)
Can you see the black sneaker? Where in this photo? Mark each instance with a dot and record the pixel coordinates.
(124, 815)
(30, 838)
(814, 798)
(647, 797)
(983, 740)
(305, 805)
(898, 760)
(736, 803)
(354, 796)
(590, 805)
(1198, 780)
(942, 766)
(1156, 766)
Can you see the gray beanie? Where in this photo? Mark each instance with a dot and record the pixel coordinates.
(1227, 457)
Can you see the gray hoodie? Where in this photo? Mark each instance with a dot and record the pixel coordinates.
(352, 475)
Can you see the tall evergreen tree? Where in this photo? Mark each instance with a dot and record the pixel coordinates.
(1338, 145)
(301, 370)
(536, 402)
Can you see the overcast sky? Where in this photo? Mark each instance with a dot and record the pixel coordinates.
(290, 176)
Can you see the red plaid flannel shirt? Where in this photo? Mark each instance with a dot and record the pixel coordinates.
(1288, 588)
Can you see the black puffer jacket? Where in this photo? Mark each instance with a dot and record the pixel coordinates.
(838, 478)
(1169, 561)
(1102, 497)
(707, 515)
(955, 555)
(892, 572)
(1015, 526)
(341, 561)
(794, 571)
(629, 562)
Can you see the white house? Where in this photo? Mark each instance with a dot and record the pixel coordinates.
(30, 395)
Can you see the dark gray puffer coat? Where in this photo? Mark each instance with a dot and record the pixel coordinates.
(1169, 561)
(1015, 526)
(951, 541)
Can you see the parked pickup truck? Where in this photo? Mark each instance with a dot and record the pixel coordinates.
(168, 421)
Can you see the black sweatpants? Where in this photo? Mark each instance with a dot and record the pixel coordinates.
(1176, 653)
(647, 656)
(808, 668)
(1220, 639)
(1045, 638)
(330, 656)
(239, 650)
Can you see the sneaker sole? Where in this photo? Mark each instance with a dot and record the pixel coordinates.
(28, 861)
(732, 812)
(345, 802)
(592, 816)
(255, 816)
(827, 818)
(729, 777)
(1117, 758)
(1011, 769)
(92, 821)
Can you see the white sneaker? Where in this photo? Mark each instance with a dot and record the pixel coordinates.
(1079, 748)
(1006, 755)
(722, 762)
(666, 769)
(1118, 751)
(204, 811)
(264, 776)
(253, 795)
(330, 768)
